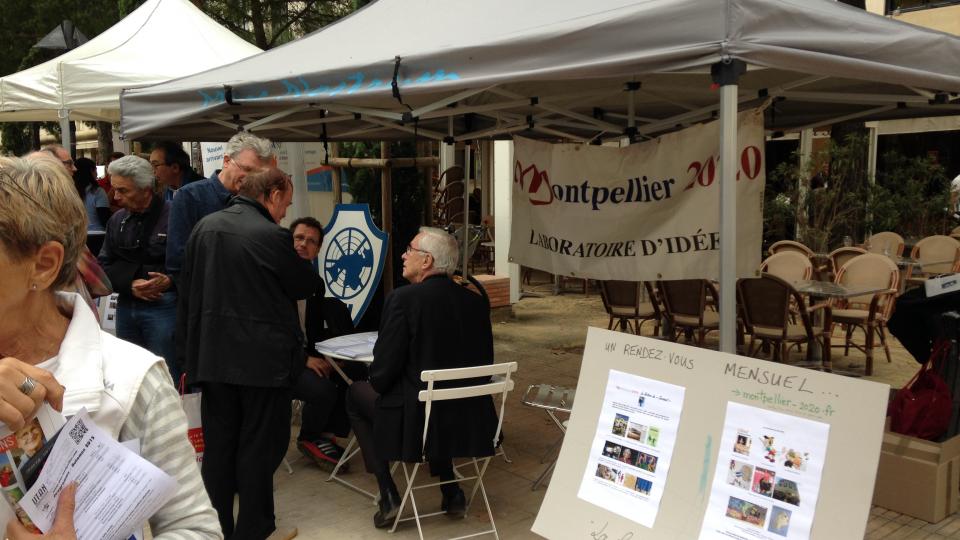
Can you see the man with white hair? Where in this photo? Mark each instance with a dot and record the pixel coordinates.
(133, 256)
(432, 324)
(245, 153)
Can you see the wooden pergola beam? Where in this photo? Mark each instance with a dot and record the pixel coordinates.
(383, 163)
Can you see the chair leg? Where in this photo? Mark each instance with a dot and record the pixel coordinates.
(610, 326)
(883, 341)
(846, 342)
(869, 350)
(408, 493)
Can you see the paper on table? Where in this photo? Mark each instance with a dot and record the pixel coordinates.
(349, 346)
(117, 490)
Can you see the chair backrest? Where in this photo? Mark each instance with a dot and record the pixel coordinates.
(886, 240)
(765, 302)
(841, 255)
(500, 383)
(686, 297)
(788, 265)
(626, 296)
(790, 245)
(870, 270)
(939, 249)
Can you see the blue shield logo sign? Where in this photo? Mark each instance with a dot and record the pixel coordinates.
(352, 257)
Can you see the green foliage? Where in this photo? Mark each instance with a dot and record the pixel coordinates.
(268, 23)
(408, 202)
(910, 196)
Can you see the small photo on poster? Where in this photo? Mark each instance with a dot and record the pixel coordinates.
(740, 474)
(795, 460)
(637, 432)
(607, 473)
(779, 521)
(763, 482)
(629, 456)
(769, 443)
(647, 462)
(653, 435)
(643, 486)
(620, 425)
(612, 450)
(747, 512)
(742, 444)
(786, 491)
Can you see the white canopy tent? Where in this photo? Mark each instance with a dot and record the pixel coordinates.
(569, 70)
(159, 41)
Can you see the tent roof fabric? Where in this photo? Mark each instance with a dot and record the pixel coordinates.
(159, 41)
(559, 70)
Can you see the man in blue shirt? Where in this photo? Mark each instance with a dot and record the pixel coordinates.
(245, 153)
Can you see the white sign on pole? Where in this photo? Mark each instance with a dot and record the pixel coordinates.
(648, 211)
(762, 450)
(212, 155)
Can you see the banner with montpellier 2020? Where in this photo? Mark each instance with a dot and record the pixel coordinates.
(647, 211)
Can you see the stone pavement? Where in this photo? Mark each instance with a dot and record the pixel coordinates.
(546, 338)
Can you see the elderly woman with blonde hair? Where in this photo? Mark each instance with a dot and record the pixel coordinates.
(49, 337)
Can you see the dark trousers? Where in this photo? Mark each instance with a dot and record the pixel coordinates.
(361, 409)
(319, 396)
(246, 431)
(152, 326)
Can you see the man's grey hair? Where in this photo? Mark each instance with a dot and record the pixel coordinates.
(134, 167)
(248, 141)
(442, 246)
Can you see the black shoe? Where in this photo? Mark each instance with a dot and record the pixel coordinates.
(454, 505)
(389, 507)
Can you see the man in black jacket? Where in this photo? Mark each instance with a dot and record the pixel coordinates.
(433, 323)
(238, 334)
(133, 256)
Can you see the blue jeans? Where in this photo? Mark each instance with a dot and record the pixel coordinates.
(150, 325)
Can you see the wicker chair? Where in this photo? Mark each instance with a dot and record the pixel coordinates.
(788, 265)
(623, 301)
(765, 308)
(685, 307)
(937, 254)
(840, 256)
(869, 312)
(790, 245)
(886, 241)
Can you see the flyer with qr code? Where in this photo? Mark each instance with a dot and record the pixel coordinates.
(117, 490)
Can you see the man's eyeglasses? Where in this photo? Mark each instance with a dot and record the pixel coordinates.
(245, 168)
(157, 164)
(306, 240)
(411, 248)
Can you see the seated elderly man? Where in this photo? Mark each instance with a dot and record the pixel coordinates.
(434, 323)
(133, 256)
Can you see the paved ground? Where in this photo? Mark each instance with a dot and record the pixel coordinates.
(546, 338)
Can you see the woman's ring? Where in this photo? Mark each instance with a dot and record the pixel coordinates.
(27, 386)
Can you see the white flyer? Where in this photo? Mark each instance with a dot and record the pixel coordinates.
(117, 490)
(631, 451)
(352, 346)
(768, 476)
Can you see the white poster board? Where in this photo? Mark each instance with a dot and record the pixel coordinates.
(828, 425)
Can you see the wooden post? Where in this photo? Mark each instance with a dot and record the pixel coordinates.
(386, 213)
(335, 173)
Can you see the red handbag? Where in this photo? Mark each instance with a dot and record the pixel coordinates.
(923, 407)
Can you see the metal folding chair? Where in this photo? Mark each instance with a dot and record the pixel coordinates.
(552, 399)
(499, 385)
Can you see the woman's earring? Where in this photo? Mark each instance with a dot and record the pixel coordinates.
(34, 286)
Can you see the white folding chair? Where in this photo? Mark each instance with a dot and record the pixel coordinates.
(501, 383)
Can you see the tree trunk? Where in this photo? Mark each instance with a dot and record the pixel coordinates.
(256, 19)
(104, 141)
